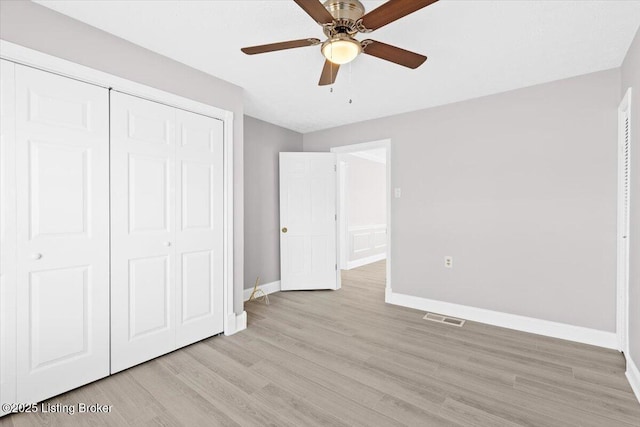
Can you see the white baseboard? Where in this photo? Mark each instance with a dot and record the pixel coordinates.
(633, 375)
(267, 288)
(505, 320)
(235, 323)
(364, 261)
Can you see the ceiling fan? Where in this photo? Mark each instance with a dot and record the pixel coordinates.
(341, 20)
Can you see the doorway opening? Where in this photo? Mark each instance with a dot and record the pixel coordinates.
(364, 212)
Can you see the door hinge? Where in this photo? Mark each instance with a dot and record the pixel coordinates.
(336, 217)
(336, 267)
(335, 168)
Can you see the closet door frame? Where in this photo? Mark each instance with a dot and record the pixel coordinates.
(19, 54)
(8, 236)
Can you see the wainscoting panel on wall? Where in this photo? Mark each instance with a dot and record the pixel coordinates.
(367, 244)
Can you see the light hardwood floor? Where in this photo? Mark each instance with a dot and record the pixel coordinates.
(346, 358)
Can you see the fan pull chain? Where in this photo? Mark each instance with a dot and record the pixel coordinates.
(350, 81)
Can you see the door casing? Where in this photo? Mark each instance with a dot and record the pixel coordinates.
(623, 235)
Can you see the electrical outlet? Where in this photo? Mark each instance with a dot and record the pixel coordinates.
(397, 192)
(448, 262)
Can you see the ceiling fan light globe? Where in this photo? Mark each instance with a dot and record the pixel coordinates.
(341, 51)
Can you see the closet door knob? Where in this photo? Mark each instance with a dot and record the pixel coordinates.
(36, 256)
(167, 244)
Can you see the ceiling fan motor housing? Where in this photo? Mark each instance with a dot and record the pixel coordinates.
(346, 13)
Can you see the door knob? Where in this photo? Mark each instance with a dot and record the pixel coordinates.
(284, 229)
(36, 256)
(167, 244)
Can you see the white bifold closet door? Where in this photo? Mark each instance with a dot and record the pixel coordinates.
(199, 223)
(61, 233)
(166, 225)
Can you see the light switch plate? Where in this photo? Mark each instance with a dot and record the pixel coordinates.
(397, 192)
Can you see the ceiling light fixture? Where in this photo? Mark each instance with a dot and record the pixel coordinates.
(341, 21)
(341, 49)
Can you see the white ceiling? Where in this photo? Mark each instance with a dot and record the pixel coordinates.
(475, 48)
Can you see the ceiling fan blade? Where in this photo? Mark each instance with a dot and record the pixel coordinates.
(329, 73)
(393, 54)
(391, 11)
(316, 10)
(280, 46)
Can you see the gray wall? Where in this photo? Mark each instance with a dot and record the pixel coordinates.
(519, 187)
(631, 78)
(366, 192)
(34, 26)
(263, 141)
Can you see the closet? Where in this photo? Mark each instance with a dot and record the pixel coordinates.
(111, 231)
(166, 227)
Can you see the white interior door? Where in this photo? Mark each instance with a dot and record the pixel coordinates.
(62, 158)
(7, 235)
(308, 221)
(142, 230)
(199, 239)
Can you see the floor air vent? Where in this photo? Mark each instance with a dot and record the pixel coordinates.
(444, 319)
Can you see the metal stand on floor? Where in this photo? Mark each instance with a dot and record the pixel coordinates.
(258, 294)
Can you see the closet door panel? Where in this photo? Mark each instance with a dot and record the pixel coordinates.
(62, 233)
(149, 280)
(59, 337)
(7, 235)
(148, 194)
(59, 198)
(199, 163)
(143, 230)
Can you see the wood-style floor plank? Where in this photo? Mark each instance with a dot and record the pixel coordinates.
(345, 358)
